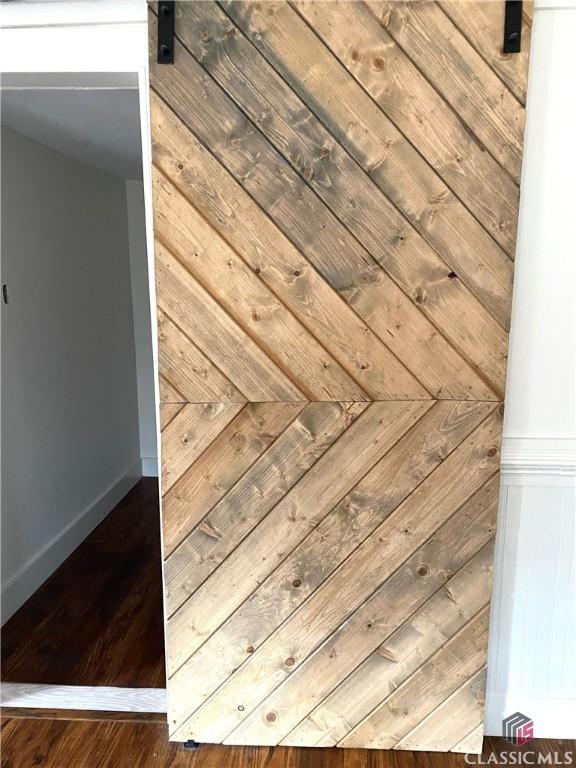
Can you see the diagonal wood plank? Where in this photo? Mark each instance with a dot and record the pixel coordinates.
(356, 36)
(303, 507)
(167, 412)
(468, 84)
(168, 392)
(483, 29)
(247, 299)
(301, 216)
(405, 529)
(436, 732)
(217, 335)
(230, 210)
(382, 151)
(418, 270)
(460, 658)
(187, 371)
(189, 433)
(413, 457)
(249, 501)
(216, 471)
(472, 742)
(408, 647)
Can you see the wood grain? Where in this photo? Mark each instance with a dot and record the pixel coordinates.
(54, 743)
(189, 434)
(336, 197)
(245, 297)
(266, 482)
(97, 621)
(340, 259)
(330, 172)
(483, 30)
(441, 495)
(356, 122)
(187, 374)
(302, 508)
(222, 464)
(372, 56)
(471, 88)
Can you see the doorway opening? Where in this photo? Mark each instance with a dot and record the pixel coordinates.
(81, 563)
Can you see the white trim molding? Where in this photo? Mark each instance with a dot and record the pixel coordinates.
(99, 698)
(541, 456)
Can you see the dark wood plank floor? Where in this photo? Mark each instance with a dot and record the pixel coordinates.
(98, 619)
(59, 744)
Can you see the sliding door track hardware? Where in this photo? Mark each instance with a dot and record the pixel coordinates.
(512, 26)
(166, 12)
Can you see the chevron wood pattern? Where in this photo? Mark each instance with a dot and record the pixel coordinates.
(335, 205)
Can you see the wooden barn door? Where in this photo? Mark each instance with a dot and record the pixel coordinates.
(335, 203)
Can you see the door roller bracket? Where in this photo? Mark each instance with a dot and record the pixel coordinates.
(512, 26)
(166, 12)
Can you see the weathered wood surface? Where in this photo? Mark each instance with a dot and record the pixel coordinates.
(335, 204)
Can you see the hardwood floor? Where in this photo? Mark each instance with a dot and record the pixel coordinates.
(107, 629)
(56, 743)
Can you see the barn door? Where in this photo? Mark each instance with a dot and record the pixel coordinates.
(335, 200)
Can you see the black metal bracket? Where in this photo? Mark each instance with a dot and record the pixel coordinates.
(191, 744)
(166, 12)
(512, 26)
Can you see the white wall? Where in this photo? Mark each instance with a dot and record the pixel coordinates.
(532, 656)
(142, 328)
(541, 402)
(69, 400)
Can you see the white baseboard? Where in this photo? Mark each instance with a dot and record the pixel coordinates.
(18, 588)
(100, 698)
(553, 718)
(149, 466)
(537, 455)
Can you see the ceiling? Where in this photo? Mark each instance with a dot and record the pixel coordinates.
(92, 118)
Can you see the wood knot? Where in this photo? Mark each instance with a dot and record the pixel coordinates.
(250, 649)
(354, 55)
(378, 64)
(452, 275)
(297, 583)
(492, 452)
(271, 717)
(290, 661)
(240, 708)
(423, 570)
(206, 37)
(420, 296)
(297, 273)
